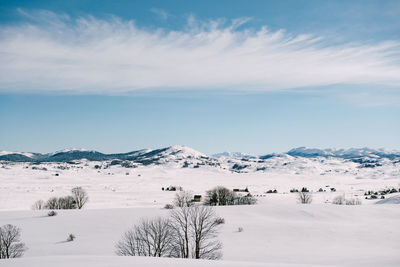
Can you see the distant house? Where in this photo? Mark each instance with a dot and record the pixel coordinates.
(240, 190)
(173, 188)
(197, 198)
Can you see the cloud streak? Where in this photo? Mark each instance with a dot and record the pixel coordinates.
(55, 53)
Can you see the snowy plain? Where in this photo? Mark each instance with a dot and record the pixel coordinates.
(278, 231)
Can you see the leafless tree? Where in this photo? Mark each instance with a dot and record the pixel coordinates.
(38, 205)
(67, 203)
(80, 196)
(52, 204)
(204, 231)
(148, 238)
(245, 200)
(305, 197)
(63, 203)
(10, 242)
(183, 199)
(195, 232)
(181, 226)
(219, 196)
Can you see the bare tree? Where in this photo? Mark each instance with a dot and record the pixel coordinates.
(148, 238)
(80, 196)
(305, 197)
(181, 226)
(204, 231)
(67, 203)
(195, 232)
(183, 199)
(52, 204)
(10, 242)
(38, 205)
(220, 196)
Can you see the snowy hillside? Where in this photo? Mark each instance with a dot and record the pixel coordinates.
(278, 231)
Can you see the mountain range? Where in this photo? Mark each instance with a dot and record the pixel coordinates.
(174, 153)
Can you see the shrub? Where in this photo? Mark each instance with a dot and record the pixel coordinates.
(304, 197)
(353, 201)
(220, 220)
(245, 200)
(71, 237)
(339, 200)
(52, 213)
(38, 205)
(168, 206)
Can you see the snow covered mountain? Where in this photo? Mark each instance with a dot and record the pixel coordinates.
(344, 153)
(185, 157)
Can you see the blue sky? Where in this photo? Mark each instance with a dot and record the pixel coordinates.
(257, 77)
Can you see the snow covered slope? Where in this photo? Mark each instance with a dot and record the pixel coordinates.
(274, 234)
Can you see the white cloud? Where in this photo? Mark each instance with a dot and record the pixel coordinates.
(90, 55)
(160, 12)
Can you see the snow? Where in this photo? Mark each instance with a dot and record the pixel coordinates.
(68, 150)
(27, 154)
(390, 200)
(290, 234)
(278, 231)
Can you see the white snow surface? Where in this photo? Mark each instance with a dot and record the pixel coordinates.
(27, 154)
(277, 231)
(285, 234)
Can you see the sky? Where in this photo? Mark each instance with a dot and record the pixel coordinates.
(256, 77)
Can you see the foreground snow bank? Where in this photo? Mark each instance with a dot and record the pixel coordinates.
(107, 261)
(273, 235)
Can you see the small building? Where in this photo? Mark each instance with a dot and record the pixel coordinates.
(240, 190)
(197, 198)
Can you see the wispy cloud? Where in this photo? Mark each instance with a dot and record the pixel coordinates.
(160, 12)
(90, 55)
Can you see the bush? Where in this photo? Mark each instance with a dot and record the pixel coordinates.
(38, 205)
(70, 238)
(245, 200)
(304, 197)
(52, 213)
(10, 242)
(168, 206)
(220, 220)
(339, 200)
(353, 201)
(52, 204)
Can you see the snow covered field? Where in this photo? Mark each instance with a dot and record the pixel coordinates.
(277, 231)
(273, 235)
(21, 184)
